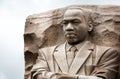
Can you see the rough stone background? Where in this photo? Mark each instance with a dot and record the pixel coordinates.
(45, 29)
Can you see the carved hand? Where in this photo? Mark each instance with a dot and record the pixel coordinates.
(67, 77)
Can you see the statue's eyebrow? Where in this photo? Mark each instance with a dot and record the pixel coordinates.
(69, 20)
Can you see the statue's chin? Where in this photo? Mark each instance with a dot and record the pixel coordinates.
(73, 41)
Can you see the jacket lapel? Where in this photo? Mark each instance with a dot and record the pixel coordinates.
(80, 58)
(49, 56)
(60, 57)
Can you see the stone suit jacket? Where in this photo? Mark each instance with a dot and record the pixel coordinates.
(52, 60)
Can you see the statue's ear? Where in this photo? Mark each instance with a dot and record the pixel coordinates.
(90, 26)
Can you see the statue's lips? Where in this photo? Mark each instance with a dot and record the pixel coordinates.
(70, 35)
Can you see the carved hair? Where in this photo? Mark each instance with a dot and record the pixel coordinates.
(86, 13)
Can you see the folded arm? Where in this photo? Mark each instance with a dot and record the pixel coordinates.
(106, 69)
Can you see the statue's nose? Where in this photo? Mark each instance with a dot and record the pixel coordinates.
(69, 27)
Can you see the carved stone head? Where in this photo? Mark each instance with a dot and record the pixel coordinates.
(75, 25)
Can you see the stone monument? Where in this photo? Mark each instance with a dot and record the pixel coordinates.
(45, 30)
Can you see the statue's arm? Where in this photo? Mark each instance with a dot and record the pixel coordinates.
(41, 70)
(40, 67)
(108, 64)
(107, 68)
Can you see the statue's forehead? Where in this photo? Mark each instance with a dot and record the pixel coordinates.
(72, 13)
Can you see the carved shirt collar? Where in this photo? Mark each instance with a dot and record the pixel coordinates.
(78, 46)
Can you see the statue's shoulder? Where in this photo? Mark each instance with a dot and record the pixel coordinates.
(105, 49)
(100, 47)
(103, 52)
(50, 49)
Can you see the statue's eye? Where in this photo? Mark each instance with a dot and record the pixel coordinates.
(76, 21)
(64, 22)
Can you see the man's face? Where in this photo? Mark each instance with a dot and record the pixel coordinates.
(75, 26)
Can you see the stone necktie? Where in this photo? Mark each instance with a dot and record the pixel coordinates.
(71, 55)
